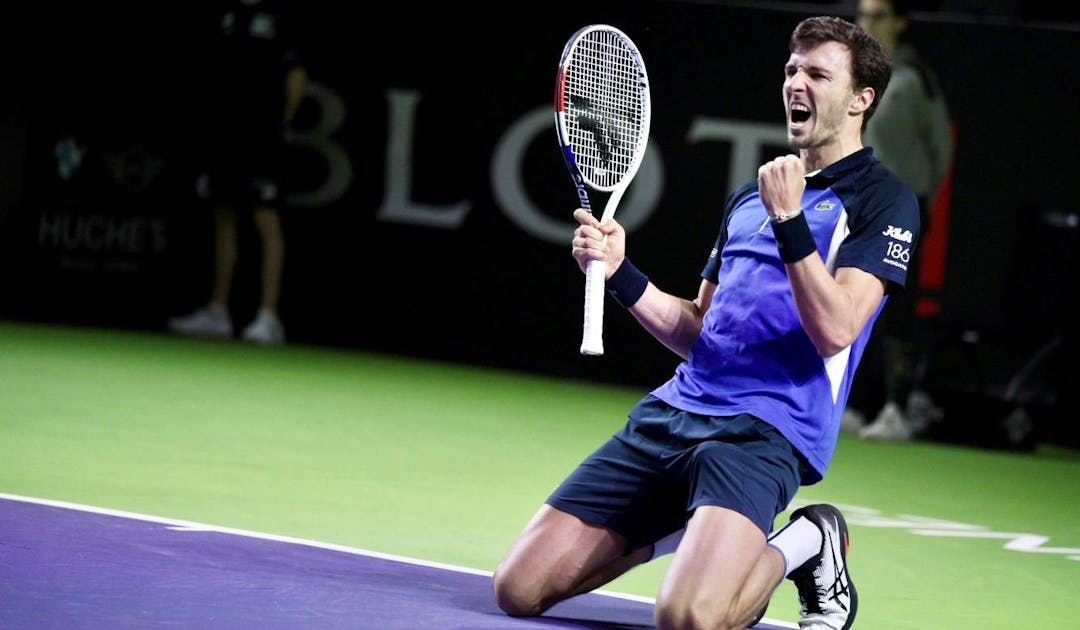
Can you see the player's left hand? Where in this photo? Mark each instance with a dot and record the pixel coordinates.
(781, 183)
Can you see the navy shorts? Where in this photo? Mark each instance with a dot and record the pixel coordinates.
(647, 479)
(243, 166)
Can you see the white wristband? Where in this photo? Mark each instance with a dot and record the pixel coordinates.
(784, 216)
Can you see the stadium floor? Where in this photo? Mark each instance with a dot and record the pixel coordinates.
(272, 487)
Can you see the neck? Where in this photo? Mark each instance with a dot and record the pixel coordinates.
(817, 158)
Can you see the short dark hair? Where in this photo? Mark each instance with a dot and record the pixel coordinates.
(870, 64)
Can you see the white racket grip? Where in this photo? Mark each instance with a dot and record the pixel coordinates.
(592, 340)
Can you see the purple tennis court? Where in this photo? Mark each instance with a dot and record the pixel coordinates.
(77, 567)
(74, 567)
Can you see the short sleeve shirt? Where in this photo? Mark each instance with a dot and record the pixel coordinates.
(753, 355)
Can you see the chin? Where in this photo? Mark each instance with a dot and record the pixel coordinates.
(797, 140)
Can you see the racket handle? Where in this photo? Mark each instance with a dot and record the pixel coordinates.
(592, 340)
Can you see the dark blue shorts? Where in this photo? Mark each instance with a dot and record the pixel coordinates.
(244, 168)
(647, 479)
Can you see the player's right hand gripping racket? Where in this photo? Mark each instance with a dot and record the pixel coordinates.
(602, 113)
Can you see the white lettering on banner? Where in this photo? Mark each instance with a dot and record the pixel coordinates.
(746, 138)
(102, 233)
(923, 526)
(133, 168)
(396, 204)
(640, 201)
(507, 172)
(319, 138)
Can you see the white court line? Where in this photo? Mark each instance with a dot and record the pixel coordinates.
(181, 525)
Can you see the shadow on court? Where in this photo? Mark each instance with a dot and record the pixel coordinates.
(69, 566)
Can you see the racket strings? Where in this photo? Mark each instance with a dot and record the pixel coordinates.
(605, 94)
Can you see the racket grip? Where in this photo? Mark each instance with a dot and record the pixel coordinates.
(592, 339)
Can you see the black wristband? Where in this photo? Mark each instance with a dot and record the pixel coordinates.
(627, 284)
(793, 238)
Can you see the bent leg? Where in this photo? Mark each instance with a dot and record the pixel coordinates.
(722, 575)
(558, 556)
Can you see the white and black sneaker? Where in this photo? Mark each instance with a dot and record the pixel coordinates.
(826, 592)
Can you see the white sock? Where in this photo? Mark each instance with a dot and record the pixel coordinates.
(667, 544)
(797, 542)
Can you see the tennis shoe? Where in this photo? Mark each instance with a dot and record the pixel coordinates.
(826, 594)
(922, 411)
(211, 321)
(266, 329)
(852, 421)
(890, 425)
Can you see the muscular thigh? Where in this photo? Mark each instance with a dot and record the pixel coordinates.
(713, 565)
(559, 549)
(627, 489)
(749, 468)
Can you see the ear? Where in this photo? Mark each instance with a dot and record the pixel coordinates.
(861, 101)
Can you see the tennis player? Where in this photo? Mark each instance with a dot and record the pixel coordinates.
(804, 260)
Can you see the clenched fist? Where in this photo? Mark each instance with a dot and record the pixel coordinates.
(781, 183)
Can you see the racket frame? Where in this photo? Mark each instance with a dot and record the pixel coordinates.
(592, 329)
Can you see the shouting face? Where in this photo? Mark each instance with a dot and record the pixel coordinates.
(818, 95)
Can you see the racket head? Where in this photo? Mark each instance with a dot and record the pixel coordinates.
(602, 106)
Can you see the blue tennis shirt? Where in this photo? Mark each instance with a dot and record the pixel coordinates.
(753, 355)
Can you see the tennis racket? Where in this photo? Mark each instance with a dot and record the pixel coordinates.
(602, 112)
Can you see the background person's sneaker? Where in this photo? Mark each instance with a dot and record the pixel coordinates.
(890, 425)
(922, 412)
(211, 320)
(852, 421)
(265, 329)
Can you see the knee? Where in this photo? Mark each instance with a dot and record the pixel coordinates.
(685, 615)
(678, 614)
(267, 220)
(516, 597)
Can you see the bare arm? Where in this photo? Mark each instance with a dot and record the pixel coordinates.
(674, 321)
(833, 310)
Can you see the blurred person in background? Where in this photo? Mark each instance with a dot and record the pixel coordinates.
(910, 133)
(256, 82)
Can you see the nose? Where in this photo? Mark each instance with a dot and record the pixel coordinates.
(796, 82)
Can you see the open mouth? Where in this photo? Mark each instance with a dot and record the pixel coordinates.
(799, 113)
